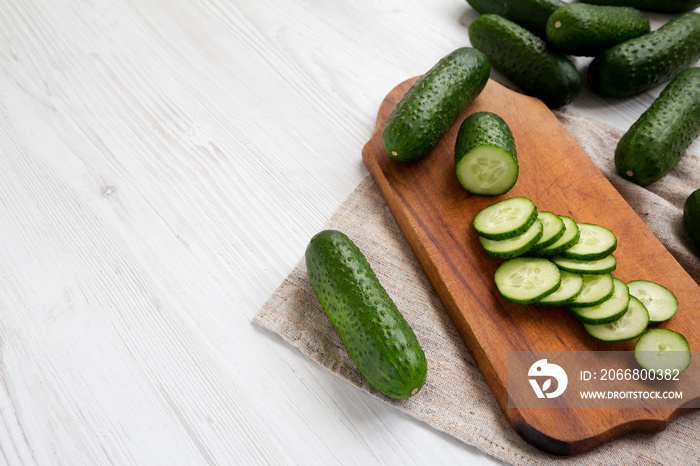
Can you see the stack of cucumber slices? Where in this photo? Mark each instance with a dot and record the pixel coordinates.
(552, 260)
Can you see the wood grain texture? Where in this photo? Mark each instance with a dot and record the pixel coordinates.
(435, 215)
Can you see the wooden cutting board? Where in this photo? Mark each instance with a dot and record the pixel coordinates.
(435, 215)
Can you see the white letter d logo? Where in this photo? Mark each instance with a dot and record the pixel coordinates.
(542, 368)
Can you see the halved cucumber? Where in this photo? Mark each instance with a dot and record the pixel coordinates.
(659, 300)
(632, 324)
(568, 239)
(596, 289)
(609, 310)
(505, 219)
(553, 229)
(662, 349)
(595, 242)
(525, 280)
(597, 267)
(512, 247)
(570, 287)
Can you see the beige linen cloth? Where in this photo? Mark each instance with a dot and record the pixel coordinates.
(456, 399)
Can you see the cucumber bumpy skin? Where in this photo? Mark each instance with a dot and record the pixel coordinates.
(691, 216)
(433, 103)
(646, 61)
(589, 30)
(377, 337)
(664, 6)
(658, 139)
(530, 14)
(525, 60)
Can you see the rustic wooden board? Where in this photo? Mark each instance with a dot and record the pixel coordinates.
(435, 215)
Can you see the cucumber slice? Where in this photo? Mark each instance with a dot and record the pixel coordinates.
(597, 267)
(609, 310)
(595, 242)
(525, 280)
(553, 229)
(570, 287)
(596, 289)
(505, 219)
(662, 349)
(659, 300)
(512, 247)
(568, 239)
(633, 323)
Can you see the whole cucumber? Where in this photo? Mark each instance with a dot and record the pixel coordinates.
(588, 30)
(375, 334)
(530, 14)
(691, 216)
(657, 140)
(433, 103)
(664, 6)
(525, 60)
(641, 63)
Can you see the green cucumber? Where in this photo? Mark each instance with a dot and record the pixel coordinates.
(646, 61)
(569, 238)
(589, 267)
(609, 310)
(570, 287)
(595, 242)
(530, 14)
(661, 303)
(657, 140)
(377, 337)
(486, 160)
(691, 216)
(525, 60)
(661, 349)
(505, 219)
(526, 280)
(589, 30)
(630, 325)
(664, 6)
(433, 103)
(553, 229)
(513, 247)
(596, 289)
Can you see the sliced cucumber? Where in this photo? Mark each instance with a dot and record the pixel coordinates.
(553, 229)
(595, 242)
(597, 267)
(609, 310)
(659, 300)
(570, 287)
(568, 239)
(633, 323)
(512, 247)
(505, 219)
(661, 349)
(525, 280)
(596, 289)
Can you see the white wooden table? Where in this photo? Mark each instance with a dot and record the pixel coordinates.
(163, 165)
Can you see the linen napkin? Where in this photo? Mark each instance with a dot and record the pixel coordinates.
(456, 399)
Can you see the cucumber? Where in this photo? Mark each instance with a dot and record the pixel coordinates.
(505, 219)
(530, 14)
(596, 289)
(433, 103)
(570, 287)
(664, 6)
(553, 229)
(595, 242)
(486, 159)
(609, 310)
(661, 349)
(377, 337)
(691, 216)
(525, 280)
(595, 267)
(513, 247)
(588, 30)
(525, 60)
(657, 140)
(569, 238)
(659, 300)
(641, 63)
(632, 324)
